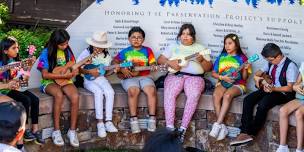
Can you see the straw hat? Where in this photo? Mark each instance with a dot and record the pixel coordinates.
(99, 39)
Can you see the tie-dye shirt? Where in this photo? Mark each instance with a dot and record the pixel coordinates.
(142, 57)
(224, 62)
(8, 75)
(43, 63)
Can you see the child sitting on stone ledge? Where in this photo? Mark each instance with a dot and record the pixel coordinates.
(296, 105)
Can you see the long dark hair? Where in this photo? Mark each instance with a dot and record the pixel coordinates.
(236, 40)
(57, 37)
(5, 44)
(105, 51)
(191, 30)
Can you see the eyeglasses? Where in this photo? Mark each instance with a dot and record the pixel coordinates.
(136, 38)
(271, 59)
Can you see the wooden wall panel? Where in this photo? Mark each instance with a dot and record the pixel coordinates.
(46, 12)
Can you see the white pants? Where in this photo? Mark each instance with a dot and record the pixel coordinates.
(99, 87)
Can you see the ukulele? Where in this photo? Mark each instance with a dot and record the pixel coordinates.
(22, 84)
(266, 81)
(24, 66)
(69, 67)
(102, 68)
(25, 70)
(135, 70)
(235, 73)
(28, 62)
(184, 60)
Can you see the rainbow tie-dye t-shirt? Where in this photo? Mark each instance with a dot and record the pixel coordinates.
(224, 62)
(142, 57)
(43, 63)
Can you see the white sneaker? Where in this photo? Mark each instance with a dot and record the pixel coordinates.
(72, 135)
(57, 138)
(297, 150)
(216, 128)
(101, 130)
(151, 125)
(110, 127)
(134, 127)
(283, 148)
(223, 133)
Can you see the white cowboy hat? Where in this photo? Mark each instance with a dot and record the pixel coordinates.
(99, 39)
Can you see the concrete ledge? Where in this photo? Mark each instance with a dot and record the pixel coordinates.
(87, 102)
(196, 135)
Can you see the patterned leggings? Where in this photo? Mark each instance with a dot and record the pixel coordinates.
(193, 87)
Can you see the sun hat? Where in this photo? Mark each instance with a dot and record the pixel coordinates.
(99, 39)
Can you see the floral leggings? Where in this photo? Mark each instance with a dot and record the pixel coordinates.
(193, 87)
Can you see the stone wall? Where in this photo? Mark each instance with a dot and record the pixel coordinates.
(196, 136)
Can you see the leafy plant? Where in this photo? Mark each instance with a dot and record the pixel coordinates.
(4, 14)
(26, 37)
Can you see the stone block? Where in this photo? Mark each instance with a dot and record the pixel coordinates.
(201, 124)
(231, 119)
(45, 121)
(84, 136)
(291, 135)
(83, 120)
(199, 114)
(160, 113)
(190, 136)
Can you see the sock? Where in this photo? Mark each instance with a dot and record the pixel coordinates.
(170, 127)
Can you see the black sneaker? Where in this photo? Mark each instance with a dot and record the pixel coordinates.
(39, 140)
(182, 133)
(28, 136)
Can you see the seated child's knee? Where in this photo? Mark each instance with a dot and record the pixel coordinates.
(134, 91)
(299, 114)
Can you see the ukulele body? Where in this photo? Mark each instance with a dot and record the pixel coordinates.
(61, 71)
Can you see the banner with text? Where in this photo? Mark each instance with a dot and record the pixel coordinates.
(256, 22)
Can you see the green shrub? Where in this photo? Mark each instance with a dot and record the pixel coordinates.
(26, 37)
(4, 16)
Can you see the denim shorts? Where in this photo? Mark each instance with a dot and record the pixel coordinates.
(140, 82)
